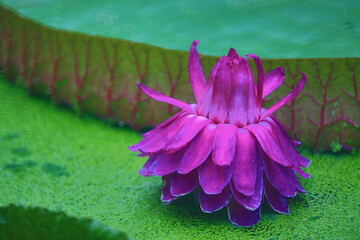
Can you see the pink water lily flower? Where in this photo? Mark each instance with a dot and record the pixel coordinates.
(226, 147)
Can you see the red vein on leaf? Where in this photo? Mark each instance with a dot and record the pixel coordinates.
(141, 74)
(173, 81)
(355, 96)
(23, 61)
(55, 58)
(109, 96)
(79, 79)
(322, 123)
(31, 78)
(291, 105)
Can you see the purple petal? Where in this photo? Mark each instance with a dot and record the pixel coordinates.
(232, 53)
(293, 142)
(273, 80)
(263, 134)
(275, 199)
(292, 157)
(213, 178)
(196, 74)
(164, 124)
(163, 98)
(144, 171)
(166, 163)
(288, 98)
(254, 201)
(182, 184)
(214, 202)
(198, 150)
(221, 92)
(156, 141)
(260, 77)
(245, 162)
(242, 107)
(279, 177)
(143, 154)
(204, 106)
(286, 146)
(166, 196)
(249, 202)
(224, 144)
(301, 172)
(296, 183)
(241, 216)
(190, 129)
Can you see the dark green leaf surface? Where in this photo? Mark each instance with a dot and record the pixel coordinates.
(102, 181)
(29, 223)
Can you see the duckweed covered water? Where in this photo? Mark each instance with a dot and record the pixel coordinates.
(51, 158)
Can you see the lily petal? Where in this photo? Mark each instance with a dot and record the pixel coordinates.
(212, 202)
(301, 172)
(232, 53)
(293, 157)
(163, 125)
(279, 177)
(190, 129)
(296, 183)
(295, 143)
(273, 80)
(196, 74)
(224, 144)
(288, 98)
(254, 201)
(213, 178)
(260, 77)
(286, 146)
(144, 171)
(203, 108)
(262, 132)
(241, 216)
(166, 196)
(182, 184)
(163, 98)
(221, 91)
(155, 142)
(242, 107)
(245, 163)
(198, 150)
(166, 163)
(275, 199)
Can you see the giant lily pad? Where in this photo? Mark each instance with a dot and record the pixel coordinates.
(98, 75)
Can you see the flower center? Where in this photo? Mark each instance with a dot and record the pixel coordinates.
(230, 96)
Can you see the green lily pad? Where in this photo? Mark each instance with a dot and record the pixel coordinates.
(271, 29)
(97, 75)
